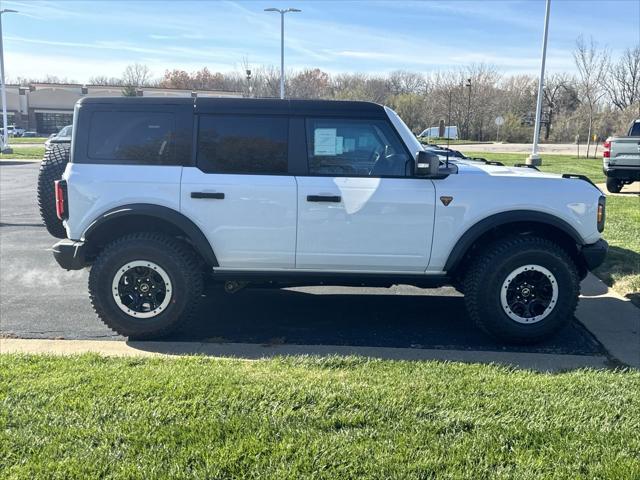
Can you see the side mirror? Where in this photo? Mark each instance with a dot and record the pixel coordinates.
(427, 164)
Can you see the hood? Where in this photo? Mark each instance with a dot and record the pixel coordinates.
(479, 168)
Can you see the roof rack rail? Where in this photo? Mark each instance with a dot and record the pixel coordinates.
(525, 165)
(492, 162)
(579, 177)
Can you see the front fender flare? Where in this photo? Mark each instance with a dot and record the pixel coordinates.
(514, 216)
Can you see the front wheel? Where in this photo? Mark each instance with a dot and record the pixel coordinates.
(522, 289)
(145, 285)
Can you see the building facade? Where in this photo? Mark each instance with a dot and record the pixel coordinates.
(47, 107)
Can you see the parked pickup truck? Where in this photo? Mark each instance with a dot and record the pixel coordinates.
(621, 159)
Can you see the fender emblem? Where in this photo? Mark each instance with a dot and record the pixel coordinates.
(446, 200)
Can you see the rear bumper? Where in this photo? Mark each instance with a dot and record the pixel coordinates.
(594, 254)
(70, 254)
(626, 173)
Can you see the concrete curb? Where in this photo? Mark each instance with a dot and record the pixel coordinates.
(534, 361)
(18, 160)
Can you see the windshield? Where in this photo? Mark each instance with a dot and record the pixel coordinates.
(65, 132)
(407, 135)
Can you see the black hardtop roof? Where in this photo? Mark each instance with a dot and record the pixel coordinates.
(252, 105)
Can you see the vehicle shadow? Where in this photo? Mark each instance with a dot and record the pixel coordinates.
(387, 324)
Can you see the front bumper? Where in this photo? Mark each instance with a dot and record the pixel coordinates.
(594, 254)
(70, 254)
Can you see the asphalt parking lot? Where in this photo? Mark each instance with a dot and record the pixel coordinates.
(40, 300)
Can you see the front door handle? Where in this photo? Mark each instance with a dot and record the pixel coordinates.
(324, 198)
(214, 195)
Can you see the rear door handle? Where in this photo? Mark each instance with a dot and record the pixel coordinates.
(324, 198)
(214, 195)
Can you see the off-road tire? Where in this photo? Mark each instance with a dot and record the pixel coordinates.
(52, 167)
(484, 279)
(177, 259)
(614, 185)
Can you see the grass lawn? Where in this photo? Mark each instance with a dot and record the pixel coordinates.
(590, 167)
(24, 152)
(621, 269)
(96, 417)
(27, 140)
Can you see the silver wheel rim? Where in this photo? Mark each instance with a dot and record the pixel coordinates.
(141, 289)
(529, 294)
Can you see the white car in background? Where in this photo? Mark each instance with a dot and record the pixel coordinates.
(13, 131)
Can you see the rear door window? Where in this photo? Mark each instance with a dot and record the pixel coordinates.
(146, 138)
(243, 144)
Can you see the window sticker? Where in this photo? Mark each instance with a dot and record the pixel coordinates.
(324, 141)
(365, 141)
(339, 145)
(349, 144)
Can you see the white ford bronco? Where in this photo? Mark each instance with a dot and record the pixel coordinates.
(163, 195)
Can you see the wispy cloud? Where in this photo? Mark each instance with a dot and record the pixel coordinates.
(335, 36)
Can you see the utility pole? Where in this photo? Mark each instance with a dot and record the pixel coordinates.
(534, 158)
(468, 85)
(4, 147)
(282, 12)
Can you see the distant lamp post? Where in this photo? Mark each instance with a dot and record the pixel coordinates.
(4, 147)
(534, 158)
(282, 12)
(468, 85)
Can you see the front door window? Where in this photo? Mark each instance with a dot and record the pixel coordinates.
(355, 148)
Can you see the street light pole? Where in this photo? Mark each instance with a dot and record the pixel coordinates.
(534, 158)
(3, 146)
(282, 12)
(468, 85)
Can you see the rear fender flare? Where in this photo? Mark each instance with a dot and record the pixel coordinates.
(175, 218)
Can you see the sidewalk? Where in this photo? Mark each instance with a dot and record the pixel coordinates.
(612, 319)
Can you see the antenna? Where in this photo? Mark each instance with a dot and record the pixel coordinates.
(448, 129)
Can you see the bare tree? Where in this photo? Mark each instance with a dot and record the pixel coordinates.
(104, 80)
(592, 63)
(623, 83)
(553, 87)
(134, 77)
(402, 82)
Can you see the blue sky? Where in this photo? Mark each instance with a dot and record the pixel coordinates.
(81, 39)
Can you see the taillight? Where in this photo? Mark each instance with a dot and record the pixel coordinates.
(61, 199)
(606, 146)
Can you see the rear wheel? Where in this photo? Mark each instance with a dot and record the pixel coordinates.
(145, 285)
(522, 289)
(52, 167)
(614, 185)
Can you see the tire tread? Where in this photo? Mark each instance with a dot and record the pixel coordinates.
(52, 167)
